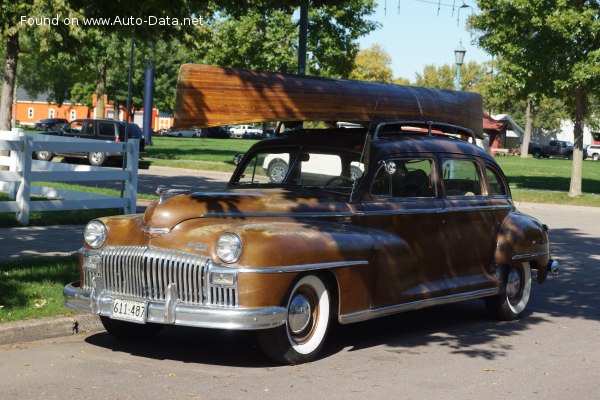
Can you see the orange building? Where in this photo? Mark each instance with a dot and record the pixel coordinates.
(28, 109)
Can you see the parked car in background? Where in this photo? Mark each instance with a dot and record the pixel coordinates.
(50, 124)
(555, 148)
(99, 129)
(593, 152)
(217, 132)
(238, 131)
(253, 135)
(190, 133)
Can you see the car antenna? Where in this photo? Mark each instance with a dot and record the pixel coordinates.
(366, 150)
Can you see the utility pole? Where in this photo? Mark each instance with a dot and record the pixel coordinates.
(303, 34)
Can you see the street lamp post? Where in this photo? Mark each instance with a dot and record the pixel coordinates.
(459, 57)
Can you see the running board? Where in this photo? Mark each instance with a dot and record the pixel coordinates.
(414, 305)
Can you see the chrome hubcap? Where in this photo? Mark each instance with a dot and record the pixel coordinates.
(278, 174)
(299, 313)
(513, 285)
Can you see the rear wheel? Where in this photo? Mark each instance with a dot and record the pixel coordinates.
(596, 157)
(301, 338)
(537, 154)
(97, 158)
(515, 289)
(128, 330)
(277, 171)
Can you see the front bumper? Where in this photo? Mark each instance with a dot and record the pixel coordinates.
(174, 312)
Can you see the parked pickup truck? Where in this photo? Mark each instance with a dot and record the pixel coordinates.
(556, 148)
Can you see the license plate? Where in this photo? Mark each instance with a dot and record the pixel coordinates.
(129, 310)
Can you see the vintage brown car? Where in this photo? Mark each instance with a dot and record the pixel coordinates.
(401, 214)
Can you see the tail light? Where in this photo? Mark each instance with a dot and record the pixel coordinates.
(117, 140)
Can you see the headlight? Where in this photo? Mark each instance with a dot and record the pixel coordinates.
(95, 234)
(229, 247)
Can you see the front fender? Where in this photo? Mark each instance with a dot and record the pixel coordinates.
(276, 251)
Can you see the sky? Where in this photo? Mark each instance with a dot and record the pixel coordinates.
(416, 35)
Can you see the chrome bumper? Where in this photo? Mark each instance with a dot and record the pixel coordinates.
(181, 314)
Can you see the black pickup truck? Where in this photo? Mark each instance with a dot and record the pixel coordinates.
(556, 148)
(100, 129)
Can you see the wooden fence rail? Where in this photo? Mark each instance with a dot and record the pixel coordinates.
(23, 170)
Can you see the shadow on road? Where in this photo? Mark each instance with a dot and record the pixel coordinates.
(464, 328)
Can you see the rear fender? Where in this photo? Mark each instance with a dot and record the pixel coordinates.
(523, 238)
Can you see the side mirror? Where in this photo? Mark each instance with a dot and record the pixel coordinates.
(390, 167)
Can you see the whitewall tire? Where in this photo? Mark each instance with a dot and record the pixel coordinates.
(301, 338)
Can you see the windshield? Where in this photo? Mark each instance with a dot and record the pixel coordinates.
(327, 170)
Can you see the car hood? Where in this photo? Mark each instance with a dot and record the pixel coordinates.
(167, 213)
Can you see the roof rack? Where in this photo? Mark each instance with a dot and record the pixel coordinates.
(455, 129)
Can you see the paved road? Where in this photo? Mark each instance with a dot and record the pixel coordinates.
(449, 352)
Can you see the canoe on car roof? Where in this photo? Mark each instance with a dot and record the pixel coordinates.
(209, 95)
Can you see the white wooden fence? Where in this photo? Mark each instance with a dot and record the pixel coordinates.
(23, 170)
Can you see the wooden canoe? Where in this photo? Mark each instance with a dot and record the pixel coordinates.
(210, 95)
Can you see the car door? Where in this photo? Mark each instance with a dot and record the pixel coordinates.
(470, 224)
(78, 128)
(402, 211)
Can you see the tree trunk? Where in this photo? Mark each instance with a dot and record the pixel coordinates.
(577, 167)
(8, 81)
(100, 90)
(528, 128)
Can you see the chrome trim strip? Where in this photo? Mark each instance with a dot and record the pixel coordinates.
(301, 268)
(90, 252)
(414, 305)
(187, 315)
(528, 255)
(276, 214)
(353, 213)
(474, 208)
(149, 229)
(400, 212)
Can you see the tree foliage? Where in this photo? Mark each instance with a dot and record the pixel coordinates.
(373, 64)
(550, 47)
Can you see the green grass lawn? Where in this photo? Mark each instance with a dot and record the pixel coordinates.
(548, 174)
(194, 149)
(33, 288)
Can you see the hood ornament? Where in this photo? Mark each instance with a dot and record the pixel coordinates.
(165, 192)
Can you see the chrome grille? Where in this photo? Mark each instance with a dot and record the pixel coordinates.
(145, 272)
(222, 296)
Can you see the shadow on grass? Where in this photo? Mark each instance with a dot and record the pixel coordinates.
(22, 281)
(552, 183)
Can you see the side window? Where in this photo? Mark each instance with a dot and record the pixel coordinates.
(461, 178)
(496, 184)
(404, 178)
(106, 129)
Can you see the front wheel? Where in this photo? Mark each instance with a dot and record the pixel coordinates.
(515, 289)
(128, 330)
(537, 154)
(44, 155)
(301, 338)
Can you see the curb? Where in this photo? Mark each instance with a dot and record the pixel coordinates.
(48, 328)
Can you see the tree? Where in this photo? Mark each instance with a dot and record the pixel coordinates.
(473, 77)
(373, 64)
(554, 46)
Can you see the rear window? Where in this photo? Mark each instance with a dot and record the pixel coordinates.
(133, 131)
(461, 178)
(106, 129)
